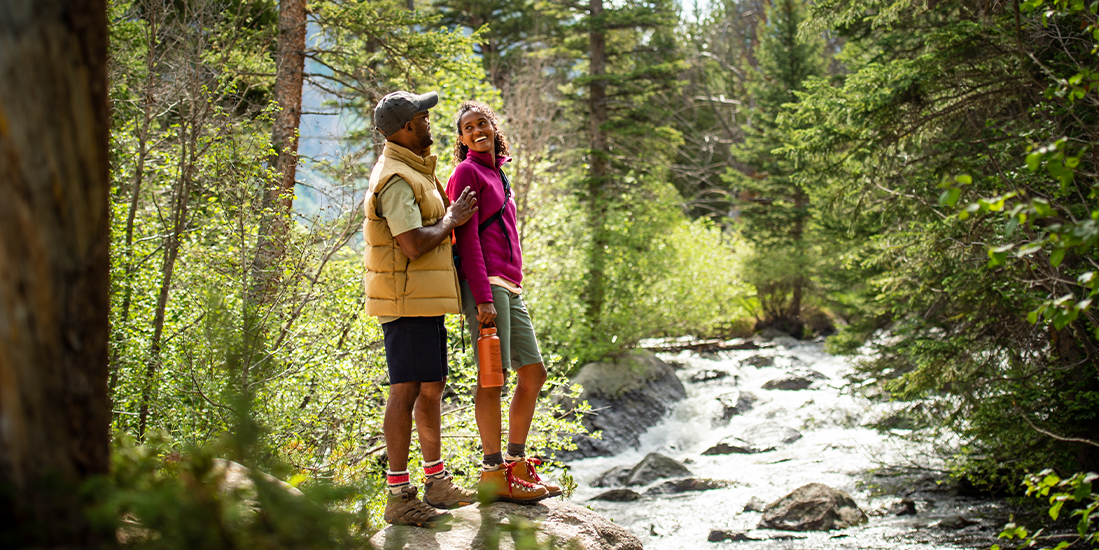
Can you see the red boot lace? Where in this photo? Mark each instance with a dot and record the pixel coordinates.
(508, 467)
(531, 463)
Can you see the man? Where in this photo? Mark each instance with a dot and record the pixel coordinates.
(410, 285)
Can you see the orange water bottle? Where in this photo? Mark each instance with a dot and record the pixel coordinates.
(490, 364)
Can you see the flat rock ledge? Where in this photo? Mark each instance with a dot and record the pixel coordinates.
(569, 525)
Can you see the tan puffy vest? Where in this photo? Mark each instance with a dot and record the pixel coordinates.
(396, 287)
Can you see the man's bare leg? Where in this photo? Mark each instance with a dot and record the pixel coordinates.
(429, 419)
(397, 425)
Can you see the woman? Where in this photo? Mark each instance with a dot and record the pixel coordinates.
(491, 271)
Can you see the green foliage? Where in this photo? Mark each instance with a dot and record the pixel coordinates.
(158, 498)
(1044, 223)
(1077, 493)
(936, 157)
(774, 211)
(688, 279)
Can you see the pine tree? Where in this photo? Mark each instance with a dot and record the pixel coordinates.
(774, 209)
(632, 66)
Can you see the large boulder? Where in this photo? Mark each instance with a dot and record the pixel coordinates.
(629, 395)
(472, 526)
(813, 507)
(656, 466)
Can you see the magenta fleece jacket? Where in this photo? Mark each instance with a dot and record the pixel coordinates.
(485, 254)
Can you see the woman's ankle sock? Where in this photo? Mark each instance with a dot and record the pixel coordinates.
(492, 461)
(515, 452)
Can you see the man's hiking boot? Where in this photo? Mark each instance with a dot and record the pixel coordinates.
(503, 485)
(443, 493)
(405, 509)
(524, 470)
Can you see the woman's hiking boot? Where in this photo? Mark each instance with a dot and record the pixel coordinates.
(501, 484)
(524, 470)
(443, 493)
(405, 509)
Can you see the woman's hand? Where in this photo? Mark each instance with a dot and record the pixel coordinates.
(486, 313)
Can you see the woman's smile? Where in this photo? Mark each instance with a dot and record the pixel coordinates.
(478, 132)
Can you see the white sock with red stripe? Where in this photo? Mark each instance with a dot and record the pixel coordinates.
(397, 481)
(435, 469)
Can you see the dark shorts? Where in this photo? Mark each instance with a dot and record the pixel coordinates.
(415, 349)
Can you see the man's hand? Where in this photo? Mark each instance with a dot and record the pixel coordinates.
(462, 210)
(486, 313)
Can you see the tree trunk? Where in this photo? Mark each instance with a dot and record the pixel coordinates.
(594, 295)
(278, 199)
(797, 236)
(54, 266)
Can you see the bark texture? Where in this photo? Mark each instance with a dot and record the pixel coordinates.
(278, 199)
(53, 266)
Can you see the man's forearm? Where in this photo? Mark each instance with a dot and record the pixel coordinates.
(416, 242)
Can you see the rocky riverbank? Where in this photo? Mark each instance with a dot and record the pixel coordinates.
(770, 448)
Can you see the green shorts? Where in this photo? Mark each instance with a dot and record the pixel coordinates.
(513, 326)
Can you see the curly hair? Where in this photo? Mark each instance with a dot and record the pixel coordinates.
(460, 149)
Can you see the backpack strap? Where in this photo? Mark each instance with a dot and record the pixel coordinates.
(498, 217)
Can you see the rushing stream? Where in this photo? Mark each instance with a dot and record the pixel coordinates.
(838, 448)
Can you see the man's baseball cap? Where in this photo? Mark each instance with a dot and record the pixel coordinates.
(397, 108)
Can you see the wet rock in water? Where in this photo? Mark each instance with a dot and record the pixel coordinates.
(555, 518)
(759, 361)
(903, 507)
(656, 466)
(786, 342)
(769, 435)
(709, 375)
(734, 403)
(954, 522)
(755, 504)
(731, 446)
(719, 535)
(740, 343)
(687, 485)
(615, 477)
(813, 507)
(768, 334)
(618, 495)
(630, 394)
(796, 380)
